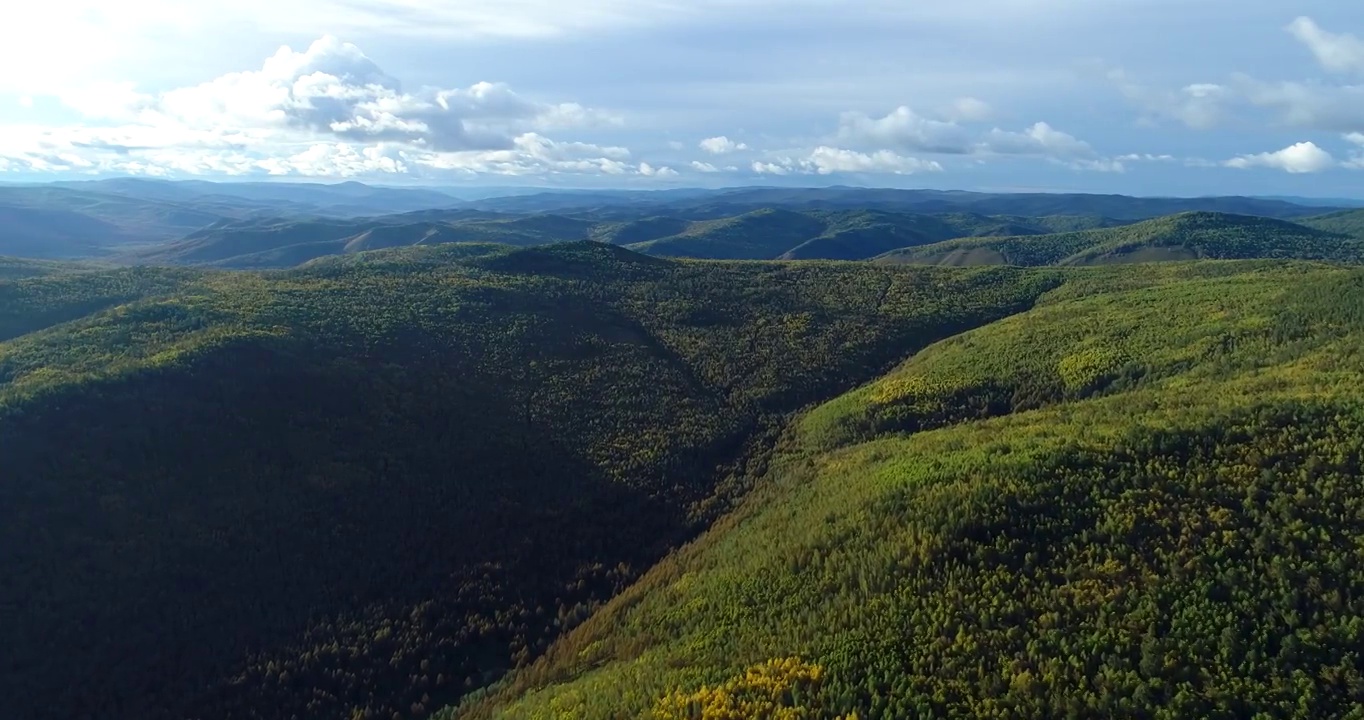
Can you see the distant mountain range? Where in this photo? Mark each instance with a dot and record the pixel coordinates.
(278, 225)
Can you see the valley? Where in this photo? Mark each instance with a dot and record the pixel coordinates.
(367, 453)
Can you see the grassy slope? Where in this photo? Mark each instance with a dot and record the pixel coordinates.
(1176, 237)
(1138, 499)
(376, 482)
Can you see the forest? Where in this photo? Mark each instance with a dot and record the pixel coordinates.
(729, 455)
(368, 486)
(1138, 499)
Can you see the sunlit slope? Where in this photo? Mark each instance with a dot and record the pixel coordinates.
(1140, 499)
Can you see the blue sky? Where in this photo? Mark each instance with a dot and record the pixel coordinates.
(1136, 96)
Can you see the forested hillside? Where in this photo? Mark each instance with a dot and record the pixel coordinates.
(1345, 222)
(1139, 499)
(365, 487)
(1187, 236)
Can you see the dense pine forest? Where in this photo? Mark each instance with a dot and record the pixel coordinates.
(752, 453)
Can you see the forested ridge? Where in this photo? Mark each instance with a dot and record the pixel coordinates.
(1138, 499)
(365, 487)
(1186, 236)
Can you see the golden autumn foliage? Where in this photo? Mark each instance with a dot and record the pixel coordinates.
(779, 689)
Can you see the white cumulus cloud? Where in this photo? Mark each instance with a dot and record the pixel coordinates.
(903, 130)
(648, 170)
(1303, 157)
(721, 145)
(327, 111)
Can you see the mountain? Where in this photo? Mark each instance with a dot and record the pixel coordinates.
(1345, 222)
(345, 199)
(54, 234)
(285, 242)
(91, 224)
(1318, 201)
(274, 242)
(858, 235)
(1186, 236)
(1139, 498)
(367, 486)
(759, 235)
(737, 201)
(278, 224)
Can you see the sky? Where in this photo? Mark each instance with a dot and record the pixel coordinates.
(1147, 97)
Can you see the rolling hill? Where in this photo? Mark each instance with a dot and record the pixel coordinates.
(284, 242)
(55, 234)
(759, 235)
(1186, 236)
(1345, 222)
(713, 204)
(1138, 499)
(767, 234)
(375, 483)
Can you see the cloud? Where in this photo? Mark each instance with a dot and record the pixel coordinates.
(648, 170)
(1144, 157)
(326, 111)
(333, 88)
(532, 154)
(766, 168)
(968, 109)
(1310, 104)
(904, 130)
(1040, 139)
(1336, 53)
(1307, 104)
(721, 145)
(1200, 105)
(1356, 159)
(704, 167)
(825, 160)
(1303, 157)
